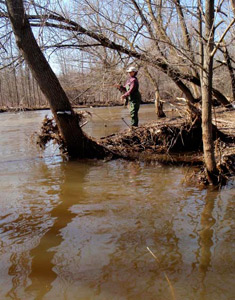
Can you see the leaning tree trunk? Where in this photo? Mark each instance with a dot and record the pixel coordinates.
(206, 87)
(78, 145)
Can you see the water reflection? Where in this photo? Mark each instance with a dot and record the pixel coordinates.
(79, 230)
(206, 234)
(103, 242)
(87, 239)
(206, 240)
(27, 221)
(42, 269)
(19, 271)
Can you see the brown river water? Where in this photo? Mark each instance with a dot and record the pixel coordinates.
(80, 229)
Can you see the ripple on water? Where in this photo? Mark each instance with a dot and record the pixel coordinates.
(79, 229)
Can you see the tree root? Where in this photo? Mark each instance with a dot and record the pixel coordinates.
(50, 132)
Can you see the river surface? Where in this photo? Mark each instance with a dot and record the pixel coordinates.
(80, 229)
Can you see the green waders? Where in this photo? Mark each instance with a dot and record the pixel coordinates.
(134, 102)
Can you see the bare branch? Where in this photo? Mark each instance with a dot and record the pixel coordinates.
(222, 37)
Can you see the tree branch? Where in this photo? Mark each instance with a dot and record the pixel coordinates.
(222, 37)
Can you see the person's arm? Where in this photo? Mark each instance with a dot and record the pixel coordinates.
(121, 88)
(133, 86)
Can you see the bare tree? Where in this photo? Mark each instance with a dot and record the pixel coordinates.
(228, 61)
(208, 50)
(78, 145)
(147, 31)
(206, 88)
(145, 22)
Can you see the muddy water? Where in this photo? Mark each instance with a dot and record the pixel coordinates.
(80, 229)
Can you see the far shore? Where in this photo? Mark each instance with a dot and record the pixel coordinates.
(20, 109)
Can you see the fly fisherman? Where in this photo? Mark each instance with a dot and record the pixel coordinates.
(131, 95)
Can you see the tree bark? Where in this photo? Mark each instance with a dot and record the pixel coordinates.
(78, 145)
(158, 103)
(230, 69)
(206, 88)
(187, 43)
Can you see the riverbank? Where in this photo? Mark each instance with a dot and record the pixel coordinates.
(177, 142)
(4, 109)
(171, 140)
(19, 109)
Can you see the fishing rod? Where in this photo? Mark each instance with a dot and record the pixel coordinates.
(116, 85)
(126, 122)
(105, 125)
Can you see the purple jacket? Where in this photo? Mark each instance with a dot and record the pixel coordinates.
(131, 86)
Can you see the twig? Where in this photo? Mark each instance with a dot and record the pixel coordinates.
(167, 279)
(83, 124)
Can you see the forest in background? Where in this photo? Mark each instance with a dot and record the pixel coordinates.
(184, 40)
(88, 70)
(93, 87)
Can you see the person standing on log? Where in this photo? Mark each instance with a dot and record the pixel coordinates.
(131, 94)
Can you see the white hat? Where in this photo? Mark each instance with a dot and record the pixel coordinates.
(131, 69)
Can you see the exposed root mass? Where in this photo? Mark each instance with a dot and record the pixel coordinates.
(50, 132)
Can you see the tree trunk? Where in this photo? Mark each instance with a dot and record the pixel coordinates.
(16, 94)
(78, 145)
(206, 87)
(230, 69)
(1, 94)
(159, 105)
(187, 43)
